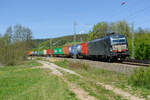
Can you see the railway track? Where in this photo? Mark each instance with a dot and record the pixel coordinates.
(134, 62)
(145, 63)
(125, 67)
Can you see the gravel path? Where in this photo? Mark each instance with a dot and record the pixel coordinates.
(81, 94)
(120, 92)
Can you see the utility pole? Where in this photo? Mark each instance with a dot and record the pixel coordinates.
(132, 40)
(74, 27)
(81, 39)
(51, 47)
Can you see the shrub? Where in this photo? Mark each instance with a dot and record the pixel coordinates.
(140, 78)
(84, 66)
(78, 65)
(143, 51)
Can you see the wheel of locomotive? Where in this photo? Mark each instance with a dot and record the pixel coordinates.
(109, 59)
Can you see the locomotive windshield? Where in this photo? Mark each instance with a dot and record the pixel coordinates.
(118, 40)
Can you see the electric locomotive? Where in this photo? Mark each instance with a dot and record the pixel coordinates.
(112, 47)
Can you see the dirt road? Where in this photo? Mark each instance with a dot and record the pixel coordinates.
(80, 93)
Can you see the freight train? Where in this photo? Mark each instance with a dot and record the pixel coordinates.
(111, 48)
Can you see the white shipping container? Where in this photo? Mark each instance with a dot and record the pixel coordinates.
(44, 52)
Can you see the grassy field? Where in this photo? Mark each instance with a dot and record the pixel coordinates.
(87, 84)
(22, 82)
(99, 75)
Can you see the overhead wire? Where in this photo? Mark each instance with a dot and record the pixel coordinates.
(138, 11)
(134, 14)
(117, 12)
(49, 35)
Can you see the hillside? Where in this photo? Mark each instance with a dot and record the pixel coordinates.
(60, 41)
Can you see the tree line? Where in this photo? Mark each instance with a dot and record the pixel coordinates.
(14, 44)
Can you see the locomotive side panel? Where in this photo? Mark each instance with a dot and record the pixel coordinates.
(95, 48)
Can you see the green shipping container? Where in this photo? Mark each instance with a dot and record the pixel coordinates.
(40, 53)
(58, 51)
(55, 51)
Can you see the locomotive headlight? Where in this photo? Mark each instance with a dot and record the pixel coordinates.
(111, 49)
(114, 47)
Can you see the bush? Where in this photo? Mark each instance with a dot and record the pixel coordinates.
(78, 65)
(143, 51)
(140, 78)
(84, 66)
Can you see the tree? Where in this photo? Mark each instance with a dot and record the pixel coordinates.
(18, 33)
(15, 44)
(123, 28)
(8, 35)
(102, 29)
(143, 51)
(99, 30)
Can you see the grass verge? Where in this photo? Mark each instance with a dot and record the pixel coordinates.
(109, 77)
(87, 84)
(22, 82)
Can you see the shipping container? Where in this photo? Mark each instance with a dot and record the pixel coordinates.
(55, 51)
(29, 53)
(83, 48)
(32, 53)
(44, 52)
(71, 50)
(48, 52)
(52, 51)
(40, 53)
(60, 51)
(78, 49)
(35, 53)
(75, 49)
(66, 50)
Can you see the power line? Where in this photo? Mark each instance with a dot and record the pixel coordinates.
(118, 11)
(144, 23)
(138, 11)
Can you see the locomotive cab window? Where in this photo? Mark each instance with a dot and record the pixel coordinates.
(118, 40)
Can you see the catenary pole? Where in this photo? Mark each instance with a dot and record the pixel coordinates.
(51, 47)
(133, 40)
(74, 28)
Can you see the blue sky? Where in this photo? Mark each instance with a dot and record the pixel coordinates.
(54, 18)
